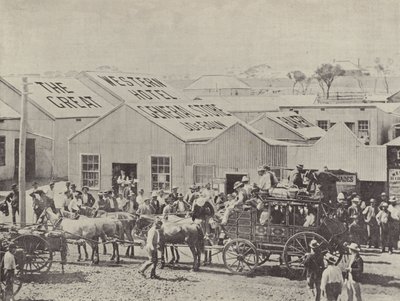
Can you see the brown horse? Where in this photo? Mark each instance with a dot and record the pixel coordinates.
(177, 233)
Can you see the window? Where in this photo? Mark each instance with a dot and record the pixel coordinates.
(363, 128)
(203, 174)
(2, 150)
(323, 124)
(90, 170)
(160, 173)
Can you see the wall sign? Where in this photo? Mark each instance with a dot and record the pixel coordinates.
(394, 182)
(347, 179)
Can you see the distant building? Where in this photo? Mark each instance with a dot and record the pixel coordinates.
(352, 69)
(287, 126)
(370, 122)
(217, 85)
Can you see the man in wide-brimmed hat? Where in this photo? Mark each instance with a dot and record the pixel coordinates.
(332, 279)
(13, 199)
(354, 272)
(369, 214)
(341, 210)
(240, 200)
(296, 178)
(384, 218)
(313, 267)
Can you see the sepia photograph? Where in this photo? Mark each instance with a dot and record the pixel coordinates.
(199, 150)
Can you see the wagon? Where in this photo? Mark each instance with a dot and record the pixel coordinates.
(253, 235)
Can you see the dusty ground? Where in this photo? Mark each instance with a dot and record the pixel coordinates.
(108, 281)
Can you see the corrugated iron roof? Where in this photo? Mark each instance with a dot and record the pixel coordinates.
(187, 121)
(62, 97)
(6, 112)
(135, 87)
(295, 123)
(216, 82)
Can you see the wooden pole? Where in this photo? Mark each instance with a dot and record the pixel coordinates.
(22, 152)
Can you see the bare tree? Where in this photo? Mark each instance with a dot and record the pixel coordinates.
(383, 70)
(297, 77)
(325, 74)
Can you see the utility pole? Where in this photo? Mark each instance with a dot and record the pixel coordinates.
(22, 151)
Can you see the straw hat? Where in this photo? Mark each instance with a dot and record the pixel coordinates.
(353, 246)
(340, 196)
(330, 258)
(384, 204)
(245, 179)
(237, 185)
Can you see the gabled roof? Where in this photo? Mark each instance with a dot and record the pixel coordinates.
(343, 131)
(216, 82)
(395, 97)
(133, 87)
(6, 112)
(295, 123)
(61, 97)
(394, 142)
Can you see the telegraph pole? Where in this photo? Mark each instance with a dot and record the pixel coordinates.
(22, 151)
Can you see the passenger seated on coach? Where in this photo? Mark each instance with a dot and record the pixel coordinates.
(278, 215)
(311, 217)
(295, 216)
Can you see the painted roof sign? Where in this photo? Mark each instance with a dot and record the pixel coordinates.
(188, 121)
(63, 97)
(133, 87)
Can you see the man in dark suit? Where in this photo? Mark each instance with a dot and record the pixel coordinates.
(13, 199)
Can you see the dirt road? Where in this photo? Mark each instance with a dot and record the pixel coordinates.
(108, 281)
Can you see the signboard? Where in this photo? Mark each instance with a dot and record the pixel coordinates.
(394, 182)
(63, 97)
(136, 87)
(347, 180)
(188, 121)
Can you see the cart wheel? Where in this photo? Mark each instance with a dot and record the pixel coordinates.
(263, 258)
(297, 247)
(17, 280)
(38, 256)
(240, 256)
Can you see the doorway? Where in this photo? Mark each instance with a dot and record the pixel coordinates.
(30, 159)
(230, 181)
(130, 171)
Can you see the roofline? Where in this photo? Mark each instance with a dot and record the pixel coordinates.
(248, 86)
(346, 128)
(95, 121)
(28, 132)
(34, 103)
(10, 118)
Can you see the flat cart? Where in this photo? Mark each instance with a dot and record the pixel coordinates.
(279, 228)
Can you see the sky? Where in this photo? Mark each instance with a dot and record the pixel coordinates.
(194, 37)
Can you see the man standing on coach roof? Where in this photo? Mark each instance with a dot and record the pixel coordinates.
(295, 177)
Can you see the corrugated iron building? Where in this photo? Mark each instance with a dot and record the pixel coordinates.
(57, 107)
(341, 149)
(164, 145)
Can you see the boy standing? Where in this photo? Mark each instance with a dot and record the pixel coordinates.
(153, 238)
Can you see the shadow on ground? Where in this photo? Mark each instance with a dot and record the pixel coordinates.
(56, 278)
(384, 281)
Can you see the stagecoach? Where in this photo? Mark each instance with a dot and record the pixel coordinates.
(254, 235)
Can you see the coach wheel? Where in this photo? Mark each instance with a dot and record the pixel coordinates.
(38, 255)
(17, 280)
(240, 256)
(298, 246)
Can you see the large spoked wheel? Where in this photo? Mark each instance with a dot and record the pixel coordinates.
(297, 247)
(17, 280)
(240, 257)
(38, 255)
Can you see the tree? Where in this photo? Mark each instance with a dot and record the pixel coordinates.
(325, 74)
(297, 77)
(383, 70)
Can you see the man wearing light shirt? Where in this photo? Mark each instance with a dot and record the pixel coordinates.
(331, 280)
(9, 271)
(139, 198)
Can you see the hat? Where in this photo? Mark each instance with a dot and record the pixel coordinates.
(52, 183)
(146, 199)
(174, 187)
(330, 258)
(355, 200)
(13, 186)
(392, 199)
(73, 185)
(372, 201)
(68, 182)
(260, 168)
(314, 244)
(300, 166)
(154, 194)
(85, 187)
(193, 187)
(245, 179)
(353, 246)
(141, 190)
(39, 192)
(35, 183)
(100, 193)
(384, 204)
(340, 196)
(266, 167)
(180, 196)
(383, 193)
(237, 185)
(12, 245)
